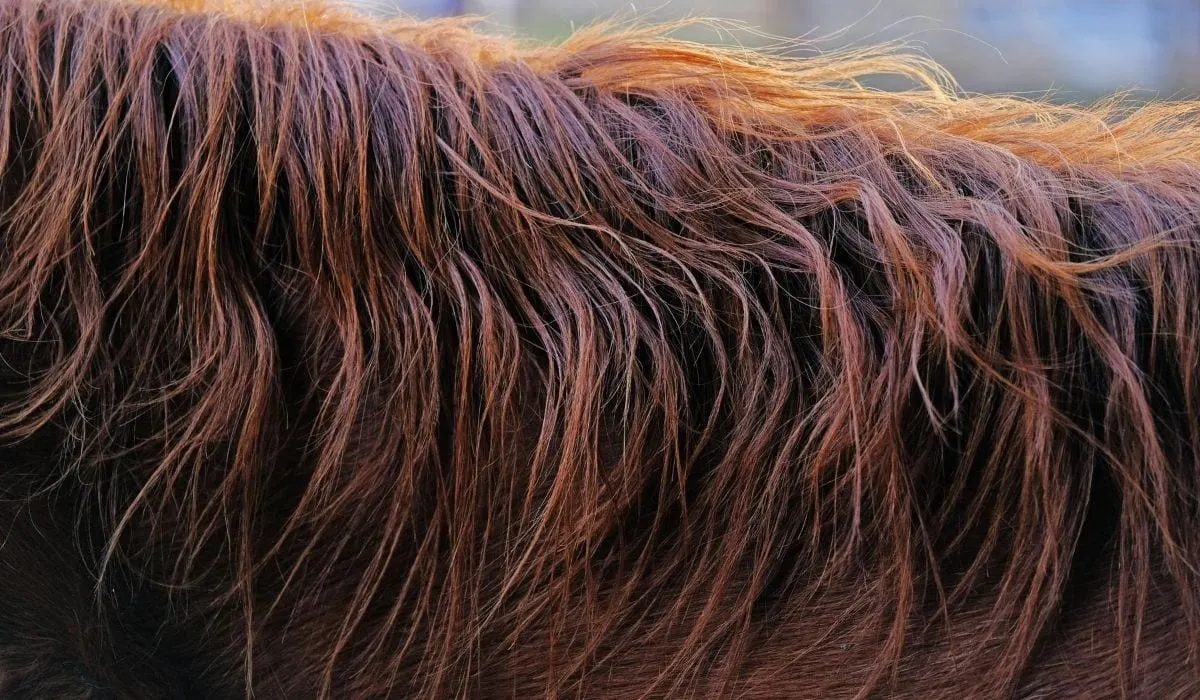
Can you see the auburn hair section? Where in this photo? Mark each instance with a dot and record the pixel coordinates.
(349, 358)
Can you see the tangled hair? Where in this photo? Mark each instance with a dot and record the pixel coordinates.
(357, 359)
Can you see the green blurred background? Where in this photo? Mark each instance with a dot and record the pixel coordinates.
(1074, 49)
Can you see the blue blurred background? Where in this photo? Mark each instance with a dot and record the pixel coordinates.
(1079, 49)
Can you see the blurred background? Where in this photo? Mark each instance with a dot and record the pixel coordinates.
(1077, 49)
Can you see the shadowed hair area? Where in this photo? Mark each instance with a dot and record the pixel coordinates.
(349, 358)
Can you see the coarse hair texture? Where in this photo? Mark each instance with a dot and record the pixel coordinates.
(363, 359)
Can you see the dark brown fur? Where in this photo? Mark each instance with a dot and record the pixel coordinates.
(353, 359)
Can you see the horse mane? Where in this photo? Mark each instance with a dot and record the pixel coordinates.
(359, 358)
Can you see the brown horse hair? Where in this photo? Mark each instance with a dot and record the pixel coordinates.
(356, 358)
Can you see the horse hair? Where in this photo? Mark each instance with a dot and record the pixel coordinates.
(357, 358)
